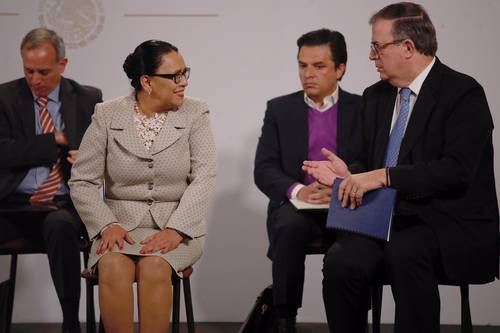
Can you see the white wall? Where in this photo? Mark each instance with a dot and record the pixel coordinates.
(242, 56)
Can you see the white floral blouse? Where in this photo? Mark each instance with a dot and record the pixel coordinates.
(148, 127)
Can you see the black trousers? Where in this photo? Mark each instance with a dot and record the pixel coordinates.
(60, 230)
(411, 261)
(289, 232)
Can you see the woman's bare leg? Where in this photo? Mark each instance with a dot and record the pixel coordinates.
(116, 299)
(154, 289)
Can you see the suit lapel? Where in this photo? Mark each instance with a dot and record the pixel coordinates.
(299, 128)
(171, 131)
(26, 108)
(417, 122)
(124, 129)
(421, 112)
(384, 118)
(344, 123)
(69, 113)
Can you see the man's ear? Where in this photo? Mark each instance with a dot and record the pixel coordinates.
(409, 48)
(340, 71)
(62, 64)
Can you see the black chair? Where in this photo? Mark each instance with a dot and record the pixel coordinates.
(466, 322)
(7, 288)
(92, 280)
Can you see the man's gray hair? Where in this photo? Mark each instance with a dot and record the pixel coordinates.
(39, 36)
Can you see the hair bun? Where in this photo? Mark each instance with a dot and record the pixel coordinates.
(134, 66)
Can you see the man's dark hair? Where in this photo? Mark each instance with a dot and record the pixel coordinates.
(410, 21)
(334, 39)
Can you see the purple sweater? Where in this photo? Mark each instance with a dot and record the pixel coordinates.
(322, 133)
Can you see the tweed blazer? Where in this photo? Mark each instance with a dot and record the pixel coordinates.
(172, 181)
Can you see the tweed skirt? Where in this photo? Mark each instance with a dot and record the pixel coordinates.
(185, 255)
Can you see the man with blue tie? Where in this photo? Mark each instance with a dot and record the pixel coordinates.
(428, 134)
(43, 117)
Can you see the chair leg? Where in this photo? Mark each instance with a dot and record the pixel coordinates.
(466, 326)
(10, 292)
(176, 305)
(189, 305)
(4, 291)
(376, 307)
(91, 325)
(101, 325)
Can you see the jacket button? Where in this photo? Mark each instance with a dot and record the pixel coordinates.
(150, 186)
(150, 165)
(150, 202)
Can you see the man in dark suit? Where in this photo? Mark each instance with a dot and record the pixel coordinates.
(428, 134)
(296, 127)
(43, 117)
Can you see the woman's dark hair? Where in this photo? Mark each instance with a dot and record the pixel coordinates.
(145, 60)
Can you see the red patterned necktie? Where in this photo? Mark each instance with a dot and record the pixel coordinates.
(45, 193)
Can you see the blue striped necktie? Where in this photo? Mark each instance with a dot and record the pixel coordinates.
(397, 133)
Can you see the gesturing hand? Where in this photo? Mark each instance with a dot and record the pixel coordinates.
(113, 234)
(163, 241)
(326, 171)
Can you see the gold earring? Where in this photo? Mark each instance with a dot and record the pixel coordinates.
(149, 91)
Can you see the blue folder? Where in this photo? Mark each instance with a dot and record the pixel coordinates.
(373, 218)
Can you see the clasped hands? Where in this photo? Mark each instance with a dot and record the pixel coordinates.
(62, 140)
(164, 241)
(353, 187)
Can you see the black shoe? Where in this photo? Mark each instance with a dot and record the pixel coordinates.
(286, 325)
(72, 330)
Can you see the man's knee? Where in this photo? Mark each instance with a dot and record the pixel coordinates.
(346, 262)
(402, 255)
(61, 225)
(337, 267)
(286, 222)
(59, 230)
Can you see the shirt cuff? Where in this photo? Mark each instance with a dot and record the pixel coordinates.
(293, 190)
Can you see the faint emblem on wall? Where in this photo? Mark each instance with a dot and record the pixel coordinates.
(78, 22)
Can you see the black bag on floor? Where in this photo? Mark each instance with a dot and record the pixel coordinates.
(262, 316)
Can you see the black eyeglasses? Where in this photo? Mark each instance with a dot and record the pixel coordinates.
(376, 47)
(176, 77)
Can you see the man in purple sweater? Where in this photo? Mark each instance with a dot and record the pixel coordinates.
(296, 127)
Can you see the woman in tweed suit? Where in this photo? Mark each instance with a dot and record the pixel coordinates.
(154, 154)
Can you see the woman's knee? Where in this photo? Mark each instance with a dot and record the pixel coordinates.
(154, 269)
(114, 267)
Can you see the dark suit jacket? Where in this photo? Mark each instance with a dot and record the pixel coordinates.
(20, 148)
(445, 172)
(283, 145)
